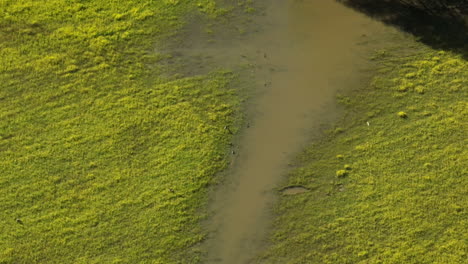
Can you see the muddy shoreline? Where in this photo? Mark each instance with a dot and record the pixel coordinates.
(293, 60)
(304, 54)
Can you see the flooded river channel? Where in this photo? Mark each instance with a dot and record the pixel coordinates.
(306, 50)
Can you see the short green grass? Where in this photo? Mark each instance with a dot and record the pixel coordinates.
(103, 160)
(391, 191)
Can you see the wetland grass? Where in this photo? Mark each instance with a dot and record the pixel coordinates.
(102, 158)
(404, 200)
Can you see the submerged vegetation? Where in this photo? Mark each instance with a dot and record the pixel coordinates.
(391, 187)
(103, 159)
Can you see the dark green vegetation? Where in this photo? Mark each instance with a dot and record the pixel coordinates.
(441, 24)
(102, 159)
(393, 190)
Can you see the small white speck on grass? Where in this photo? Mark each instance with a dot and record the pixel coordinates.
(368, 124)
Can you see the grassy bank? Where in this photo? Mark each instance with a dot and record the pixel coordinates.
(393, 190)
(104, 160)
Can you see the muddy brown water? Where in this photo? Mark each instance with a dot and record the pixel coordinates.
(304, 52)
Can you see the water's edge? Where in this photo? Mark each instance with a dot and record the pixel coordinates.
(304, 53)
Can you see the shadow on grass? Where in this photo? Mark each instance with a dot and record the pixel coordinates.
(441, 28)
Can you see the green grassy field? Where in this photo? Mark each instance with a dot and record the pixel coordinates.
(393, 191)
(104, 160)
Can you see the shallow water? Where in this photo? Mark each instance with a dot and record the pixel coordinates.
(305, 51)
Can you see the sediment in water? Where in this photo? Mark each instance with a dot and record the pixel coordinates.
(304, 53)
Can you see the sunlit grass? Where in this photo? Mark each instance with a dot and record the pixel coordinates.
(403, 197)
(102, 160)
